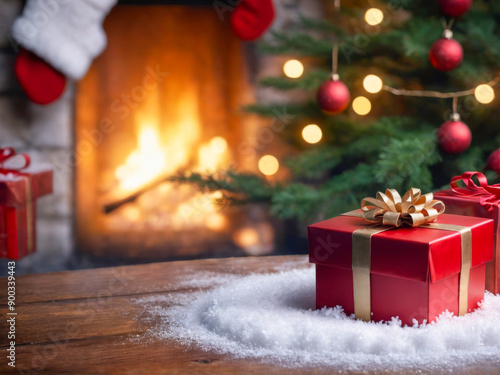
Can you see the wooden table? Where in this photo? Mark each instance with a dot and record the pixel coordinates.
(85, 322)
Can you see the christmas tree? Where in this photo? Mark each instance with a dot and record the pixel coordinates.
(393, 96)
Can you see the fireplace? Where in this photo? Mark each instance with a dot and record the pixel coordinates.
(164, 96)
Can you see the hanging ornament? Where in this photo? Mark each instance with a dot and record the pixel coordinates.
(333, 96)
(455, 8)
(446, 54)
(494, 161)
(454, 137)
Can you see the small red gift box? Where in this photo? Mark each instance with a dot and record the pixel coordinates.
(378, 272)
(479, 200)
(18, 193)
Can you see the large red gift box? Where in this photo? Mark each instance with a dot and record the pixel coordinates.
(480, 201)
(413, 273)
(18, 194)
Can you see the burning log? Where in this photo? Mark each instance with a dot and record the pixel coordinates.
(115, 204)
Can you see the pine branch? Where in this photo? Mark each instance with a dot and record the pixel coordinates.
(312, 163)
(356, 156)
(360, 178)
(297, 200)
(310, 81)
(403, 163)
(471, 160)
(298, 43)
(325, 26)
(293, 109)
(238, 187)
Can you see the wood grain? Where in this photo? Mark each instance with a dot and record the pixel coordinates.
(89, 322)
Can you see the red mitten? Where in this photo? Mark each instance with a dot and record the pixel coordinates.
(41, 82)
(251, 18)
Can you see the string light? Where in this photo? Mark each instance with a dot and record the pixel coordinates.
(361, 105)
(246, 237)
(438, 94)
(218, 145)
(374, 16)
(216, 222)
(484, 94)
(268, 165)
(312, 133)
(293, 69)
(372, 83)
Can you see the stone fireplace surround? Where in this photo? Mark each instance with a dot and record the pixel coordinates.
(46, 133)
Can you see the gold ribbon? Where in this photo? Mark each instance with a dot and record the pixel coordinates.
(465, 261)
(29, 216)
(414, 209)
(361, 266)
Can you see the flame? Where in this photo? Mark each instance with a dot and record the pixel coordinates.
(143, 164)
(163, 148)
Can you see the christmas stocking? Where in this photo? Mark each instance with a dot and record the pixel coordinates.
(252, 18)
(63, 38)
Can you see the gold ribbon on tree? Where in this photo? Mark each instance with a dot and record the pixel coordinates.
(392, 211)
(414, 209)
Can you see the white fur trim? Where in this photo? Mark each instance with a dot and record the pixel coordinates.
(68, 34)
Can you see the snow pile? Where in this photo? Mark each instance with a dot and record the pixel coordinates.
(272, 317)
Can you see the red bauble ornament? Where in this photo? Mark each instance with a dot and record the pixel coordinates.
(333, 96)
(494, 161)
(446, 53)
(454, 137)
(455, 8)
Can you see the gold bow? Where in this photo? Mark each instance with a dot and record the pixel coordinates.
(414, 209)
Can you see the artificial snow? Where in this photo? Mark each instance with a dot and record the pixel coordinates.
(271, 317)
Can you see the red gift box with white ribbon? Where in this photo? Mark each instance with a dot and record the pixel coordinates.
(20, 186)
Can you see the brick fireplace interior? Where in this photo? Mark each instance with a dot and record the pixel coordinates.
(163, 97)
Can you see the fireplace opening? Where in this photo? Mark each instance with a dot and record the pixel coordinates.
(165, 96)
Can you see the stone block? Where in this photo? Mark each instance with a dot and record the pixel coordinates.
(14, 128)
(8, 81)
(51, 125)
(9, 10)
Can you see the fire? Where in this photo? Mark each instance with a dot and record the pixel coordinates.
(145, 163)
(161, 151)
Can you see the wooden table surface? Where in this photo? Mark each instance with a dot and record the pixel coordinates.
(86, 322)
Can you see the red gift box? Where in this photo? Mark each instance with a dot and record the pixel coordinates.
(18, 193)
(479, 200)
(413, 273)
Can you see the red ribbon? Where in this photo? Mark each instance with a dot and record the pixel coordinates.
(489, 194)
(10, 153)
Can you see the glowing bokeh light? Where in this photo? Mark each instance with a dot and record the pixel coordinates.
(374, 16)
(218, 145)
(372, 83)
(361, 105)
(312, 133)
(293, 69)
(246, 237)
(268, 165)
(484, 94)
